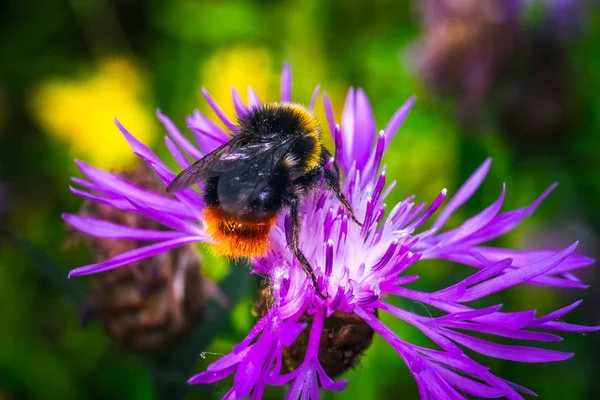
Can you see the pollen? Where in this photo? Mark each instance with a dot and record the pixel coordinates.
(235, 238)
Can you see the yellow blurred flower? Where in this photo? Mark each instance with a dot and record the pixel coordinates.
(239, 67)
(81, 112)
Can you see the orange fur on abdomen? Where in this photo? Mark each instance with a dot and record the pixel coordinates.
(235, 238)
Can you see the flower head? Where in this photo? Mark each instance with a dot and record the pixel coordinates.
(358, 267)
(153, 303)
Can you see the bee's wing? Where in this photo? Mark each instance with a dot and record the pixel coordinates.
(238, 187)
(219, 160)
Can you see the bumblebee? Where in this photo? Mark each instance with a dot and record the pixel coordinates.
(274, 161)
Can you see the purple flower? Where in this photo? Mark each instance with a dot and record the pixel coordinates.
(358, 267)
(464, 45)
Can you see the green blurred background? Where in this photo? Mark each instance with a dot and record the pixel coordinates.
(68, 67)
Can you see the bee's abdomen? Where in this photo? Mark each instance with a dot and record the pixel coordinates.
(235, 237)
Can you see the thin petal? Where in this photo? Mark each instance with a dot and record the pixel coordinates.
(238, 103)
(364, 129)
(348, 125)
(507, 221)
(313, 99)
(211, 376)
(397, 120)
(517, 276)
(558, 313)
(208, 134)
(508, 352)
(110, 230)
(566, 327)
(253, 100)
(117, 187)
(138, 147)
(286, 83)
(178, 137)
(478, 221)
(464, 193)
(470, 386)
(176, 153)
(134, 255)
(224, 118)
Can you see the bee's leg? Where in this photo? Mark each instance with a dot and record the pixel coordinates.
(333, 180)
(295, 243)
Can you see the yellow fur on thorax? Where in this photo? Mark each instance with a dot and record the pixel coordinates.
(308, 125)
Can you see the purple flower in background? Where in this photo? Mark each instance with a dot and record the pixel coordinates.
(464, 45)
(358, 267)
(469, 50)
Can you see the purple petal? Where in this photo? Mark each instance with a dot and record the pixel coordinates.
(176, 153)
(439, 388)
(519, 388)
(464, 193)
(517, 276)
(256, 329)
(313, 99)
(348, 125)
(224, 118)
(116, 186)
(459, 361)
(478, 221)
(230, 395)
(289, 331)
(299, 386)
(134, 255)
(557, 282)
(251, 366)
(505, 222)
(211, 376)
(397, 120)
(375, 161)
(238, 103)
(520, 258)
(513, 320)
(566, 327)
(505, 332)
(557, 314)
(253, 100)
(470, 386)
(178, 137)
(166, 219)
(208, 134)
(229, 360)
(121, 204)
(138, 147)
(507, 352)
(415, 363)
(364, 130)
(286, 83)
(467, 315)
(328, 383)
(329, 114)
(488, 271)
(430, 211)
(110, 230)
(188, 198)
